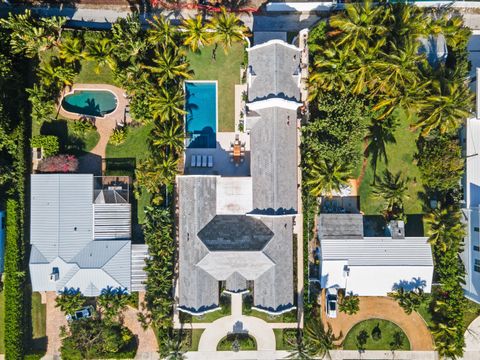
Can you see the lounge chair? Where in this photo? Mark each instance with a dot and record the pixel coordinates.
(199, 160)
(193, 162)
(210, 161)
(204, 161)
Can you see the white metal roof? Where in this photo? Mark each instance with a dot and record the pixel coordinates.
(379, 251)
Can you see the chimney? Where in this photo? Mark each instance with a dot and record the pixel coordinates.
(397, 229)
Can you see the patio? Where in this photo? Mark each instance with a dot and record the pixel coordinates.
(221, 157)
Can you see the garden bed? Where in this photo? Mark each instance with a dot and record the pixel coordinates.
(232, 342)
(376, 334)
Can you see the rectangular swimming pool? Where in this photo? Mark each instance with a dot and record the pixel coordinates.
(201, 117)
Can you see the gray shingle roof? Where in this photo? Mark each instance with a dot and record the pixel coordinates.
(274, 67)
(340, 226)
(273, 142)
(63, 217)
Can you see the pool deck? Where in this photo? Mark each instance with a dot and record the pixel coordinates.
(106, 124)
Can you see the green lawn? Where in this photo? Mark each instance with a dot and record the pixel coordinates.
(387, 330)
(287, 317)
(400, 158)
(472, 311)
(280, 338)
(196, 334)
(38, 316)
(210, 317)
(87, 74)
(225, 69)
(244, 341)
(2, 322)
(69, 141)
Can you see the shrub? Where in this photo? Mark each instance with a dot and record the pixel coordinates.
(362, 339)
(119, 135)
(83, 126)
(376, 332)
(350, 304)
(14, 284)
(59, 164)
(49, 144)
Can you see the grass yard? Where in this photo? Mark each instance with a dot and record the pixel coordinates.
(69, 141)
(123, 159)
(196, 334)
(472, 311)
(2, 322)
(287, 317)
(225, 69)
(244, 341)
(211, 316)
(400, 158)
(383, 340)
(281, 336)
(87, 74)
(39, 314)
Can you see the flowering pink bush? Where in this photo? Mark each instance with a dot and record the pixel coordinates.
(59, 163)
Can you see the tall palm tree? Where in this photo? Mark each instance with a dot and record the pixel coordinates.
(380, 133)
(196, 34)
(326, 176)
(170, 65)
(227, 29)
(52, 72)
(169, 135)
(70, 300)
(71, 50)
(448, 104)
(444, 226)
(321, 340)
(101, 52)
(393, 189)
(360, 21)
(167, 104)
(162, 33)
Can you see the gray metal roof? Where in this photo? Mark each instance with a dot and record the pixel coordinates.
(273, 142)
(87, 244)
(340, 226)
(275, 70)
(378, 251)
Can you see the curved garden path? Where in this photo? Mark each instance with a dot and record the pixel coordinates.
(376, 307)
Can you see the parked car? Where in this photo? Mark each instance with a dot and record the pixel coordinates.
(83, 313)
(331, 303)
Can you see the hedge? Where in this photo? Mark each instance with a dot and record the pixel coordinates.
(49, 144)
(14, 285)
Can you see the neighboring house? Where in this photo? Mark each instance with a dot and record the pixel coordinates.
(471, 210)
(371, 266)
(236, 232)
(80, 233)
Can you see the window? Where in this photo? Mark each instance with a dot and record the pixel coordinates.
(476, 229)
(476, 248)
(476, 267)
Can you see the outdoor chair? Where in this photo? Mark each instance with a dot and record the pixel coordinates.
(204, 161)
(193, 162)
(210, 161)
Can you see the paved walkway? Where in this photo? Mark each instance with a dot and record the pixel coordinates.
(376, 307)
(55, 319)
(472, 341)
(147, 341)
(237, 323)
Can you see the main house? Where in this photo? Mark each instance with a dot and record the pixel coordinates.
(373, 265)
(80, 233)
(236, 219)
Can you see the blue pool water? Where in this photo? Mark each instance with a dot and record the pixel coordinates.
(201, 118)
(90, 102)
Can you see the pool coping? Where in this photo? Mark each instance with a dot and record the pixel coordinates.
(74, 89)
(185, 109)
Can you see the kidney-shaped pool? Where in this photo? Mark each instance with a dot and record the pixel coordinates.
(90, 102)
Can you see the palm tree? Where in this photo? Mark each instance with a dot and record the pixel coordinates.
(70, 300)
(326, 177)
(101, 52)
(321, 340)
(162, 33)
(170, 136)
(360, 21)
(227, 29)
(392, 188)
(196, 34)
(170, 64)
(409, 301)
(301, 351)
(444, 227)
(113, 301)
(52, 72)
(167, 104)
(448, 104)
(175, 349)
(350, 304)
(71, 50)
(380, 133)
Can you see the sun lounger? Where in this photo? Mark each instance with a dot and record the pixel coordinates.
(193, 162)
(199, 160)
(210, 161)
(204, 161)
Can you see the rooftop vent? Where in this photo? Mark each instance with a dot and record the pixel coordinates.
(397, 229)
(55, 274)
